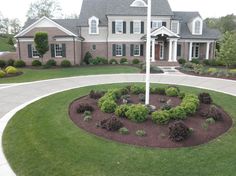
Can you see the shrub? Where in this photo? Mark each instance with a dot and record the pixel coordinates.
(2, 74)
(135, 89)
(172, 92)
(135, 61)
(10, 62)
(87, 57)
(141, 133)
(123, 131)
(178, 131)
(113, 61)
(137, 113)
(206, 62)
(215, 113)
(95, 94)
(98, 61)
(161, 117)
(158, 90)
(36, 63)
(2, 63)
(141, 97)
(205, 98)
(123, 60)
(181, 61)
(121, 110)
(84, 107)
(65, 63)
(111, 124)
(190, 104)
(51, 63)
(189, 65)
(212, 71)
(166, 106)
(181, 95)
(19, 63)
(11, 70)
(177, 113)
(198, 69)
(195, 61)
(109, 106)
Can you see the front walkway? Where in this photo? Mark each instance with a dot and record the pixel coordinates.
(16, 96)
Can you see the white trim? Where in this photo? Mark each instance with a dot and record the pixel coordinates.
(121, 50)
(196, 41)
(97, 23)
(197, 19)
(164, 31)
(138, 49)
(162, 48)
(134, 4)
(23, 32)
(55, 51)
(65, 39)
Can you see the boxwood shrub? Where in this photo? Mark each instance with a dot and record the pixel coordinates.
(19, 63)
(161, 117)
(137, 113)
(135, 61)
(121, 110)
(123, 61)
(113, 61)
(2, 74)
(109, 106)
(36, 63)
(172, 92)
(136, 89)
(11, 70)
(65, 63)
(51, 62)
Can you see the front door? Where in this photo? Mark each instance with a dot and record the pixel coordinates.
(159, 51)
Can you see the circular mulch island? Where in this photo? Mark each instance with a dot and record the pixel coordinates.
(157, 135)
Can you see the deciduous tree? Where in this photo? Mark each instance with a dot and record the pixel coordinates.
(41, 43)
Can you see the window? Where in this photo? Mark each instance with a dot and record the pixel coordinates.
(175, 27)
(94, 47)
(136, 50)
(197, 29)
(93, 25)
(195, 50)
(137, 27)
(179, 50)
(156, 24)
(138, 3)
(58, 50)
(119, 27)
(35, 53)
(118, 50)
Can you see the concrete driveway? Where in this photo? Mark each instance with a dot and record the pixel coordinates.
(16, 96)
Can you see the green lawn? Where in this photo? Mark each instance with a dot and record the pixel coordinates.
(42, 74)
(41, 140)
(4, 46)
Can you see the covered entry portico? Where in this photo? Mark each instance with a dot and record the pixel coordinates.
(164, 45)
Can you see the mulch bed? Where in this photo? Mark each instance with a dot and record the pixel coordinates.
(195, 74)
(157, 135)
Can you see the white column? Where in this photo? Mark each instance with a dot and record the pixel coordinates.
(170, 50)
(207, 50)
(190, 51)
(153, 50)
(148, 52)
(175, 51)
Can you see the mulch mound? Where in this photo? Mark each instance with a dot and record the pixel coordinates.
(157, 135)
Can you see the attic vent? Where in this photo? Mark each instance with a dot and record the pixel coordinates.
(138, 3)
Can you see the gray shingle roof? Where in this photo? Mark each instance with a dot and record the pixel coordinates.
(102, 8)
(185, 18)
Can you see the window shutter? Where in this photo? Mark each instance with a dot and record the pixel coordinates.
(29, 50)
(113, 27)
(124, 49)
(63, 50)
(124, 27)
(131, 50)
(131, 27)
(151, 24)
(114, 50)
(142, 27)
(178, 50)
(52, 51)
(141, 50)
(164, 23)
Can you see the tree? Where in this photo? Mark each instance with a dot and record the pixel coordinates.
(15, 26)
(227, 53)
(48, 8)
(41, 43)
(4, 26)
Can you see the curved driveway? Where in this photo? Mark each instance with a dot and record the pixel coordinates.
(16, 96)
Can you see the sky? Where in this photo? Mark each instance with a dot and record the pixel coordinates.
(207, 8)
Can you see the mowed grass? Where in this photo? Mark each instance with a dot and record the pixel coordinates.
(4, 46)
(41, 140)
(43, 74)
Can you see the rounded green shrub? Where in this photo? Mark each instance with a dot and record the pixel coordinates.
(109, 106)
(65, 63)
(2, 63)
(19, 63)
(51, 62)
(181, 61)
(121, 110)
(36, 63)
(161, 117)
(137, 113)
(158, 90)
(177, 113)
(195, 61)
(113, 61)
(172, 92)
(135, 61)
(135, 89)
(2, 74)
(123, 60)
(11, 70)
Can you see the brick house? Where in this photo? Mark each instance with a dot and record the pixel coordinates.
(116, 29)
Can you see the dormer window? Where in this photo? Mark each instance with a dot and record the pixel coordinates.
(197, 26)
(93, 25)
(138, 3)
(156, 24)
(175, 27)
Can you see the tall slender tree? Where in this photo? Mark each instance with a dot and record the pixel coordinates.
(41, 43)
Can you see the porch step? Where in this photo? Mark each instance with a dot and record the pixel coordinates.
(165, 63)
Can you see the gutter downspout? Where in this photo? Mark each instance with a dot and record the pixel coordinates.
(74, 50)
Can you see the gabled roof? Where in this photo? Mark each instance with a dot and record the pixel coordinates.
(69, 26)
(104, 8)
(185, 18)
